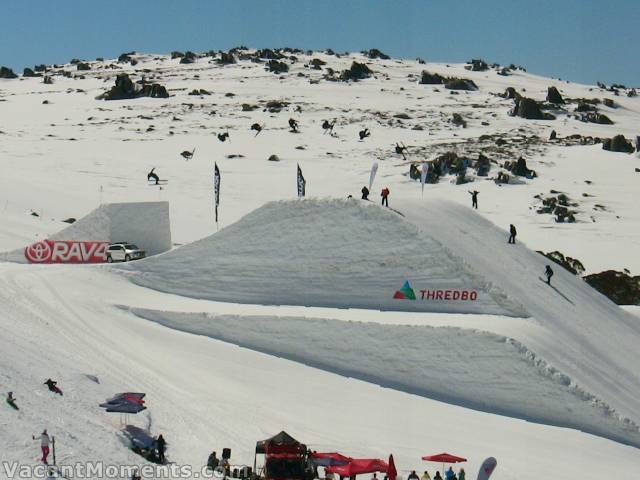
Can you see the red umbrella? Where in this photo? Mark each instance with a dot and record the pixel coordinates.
(444, 458)
(392, 473)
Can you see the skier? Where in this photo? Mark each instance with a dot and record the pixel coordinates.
(548, 273)
(512, 234)
(425, 476)
(53, 386)
(12, 401)
(327, 127)
(293, 125)
(364, 133)
(385, 196)
(400, 150)
(413, 476)
(44, 445)
(474, 199)
(257, 127)
(365, 193)
(153, 177)
(461, 474)
(449, 474)
(213, 461)
(160, 447)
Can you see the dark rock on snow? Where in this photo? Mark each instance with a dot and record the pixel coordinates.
(619, 287)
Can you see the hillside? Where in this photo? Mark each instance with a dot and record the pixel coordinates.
(282, 315)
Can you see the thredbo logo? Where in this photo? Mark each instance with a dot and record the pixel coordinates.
(66, 251)
(407, 293)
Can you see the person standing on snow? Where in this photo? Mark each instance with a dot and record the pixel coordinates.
(437, 477)
(449, 474)
(385, 196)
(413, 476)
(461, 474)
(512, 234)
(425, 476)
(474, 199)
(160, 446)
(365, 193)
(548, 273)
(44, 445)
(213, 461)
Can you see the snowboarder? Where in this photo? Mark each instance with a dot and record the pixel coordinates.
(365, 193)
(160, 447)
(401, 149)
(153, 177)
(512, 234)
(364, 133)
(385, 196)
(257, 127)
(461, 474)
(53, 386)
(213, 461)
(188, 155)
(425, 476)
(44, 445)
(327, 127)
(223, 136)
(12, 401)
(548, 273)
(413, 476)
(293, 125)
(474, 199)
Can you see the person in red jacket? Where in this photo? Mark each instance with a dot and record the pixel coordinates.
(385, 196)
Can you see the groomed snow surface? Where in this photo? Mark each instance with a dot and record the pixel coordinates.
(264, 334)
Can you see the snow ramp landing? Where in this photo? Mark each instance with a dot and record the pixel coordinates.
(325, 253)
(145, 224)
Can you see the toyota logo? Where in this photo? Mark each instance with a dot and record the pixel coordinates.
(39, 252)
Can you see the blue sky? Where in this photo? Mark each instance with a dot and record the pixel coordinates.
(579, 40)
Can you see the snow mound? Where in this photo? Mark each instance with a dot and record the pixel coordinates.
(143, 223)
(324, 253)
(474, 369)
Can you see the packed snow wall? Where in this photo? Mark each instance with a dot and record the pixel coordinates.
(145, 224)
(325, 253)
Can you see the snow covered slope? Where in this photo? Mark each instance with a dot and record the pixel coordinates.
(63, 153)
(204, 394)
(327, 253)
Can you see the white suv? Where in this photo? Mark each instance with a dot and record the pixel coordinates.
(124, 252)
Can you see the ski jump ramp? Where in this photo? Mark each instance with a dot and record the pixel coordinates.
(146, 224)
(354, 254)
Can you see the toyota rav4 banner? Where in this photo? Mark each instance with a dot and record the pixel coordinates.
(66, 251)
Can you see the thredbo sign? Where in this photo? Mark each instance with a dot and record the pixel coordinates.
(66, 251)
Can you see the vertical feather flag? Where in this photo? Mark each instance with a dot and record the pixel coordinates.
(423, 175)
(374, 169)
(216, 188)
(302, 183)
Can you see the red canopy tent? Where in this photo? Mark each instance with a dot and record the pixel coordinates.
(359, 466)
(285, 457)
